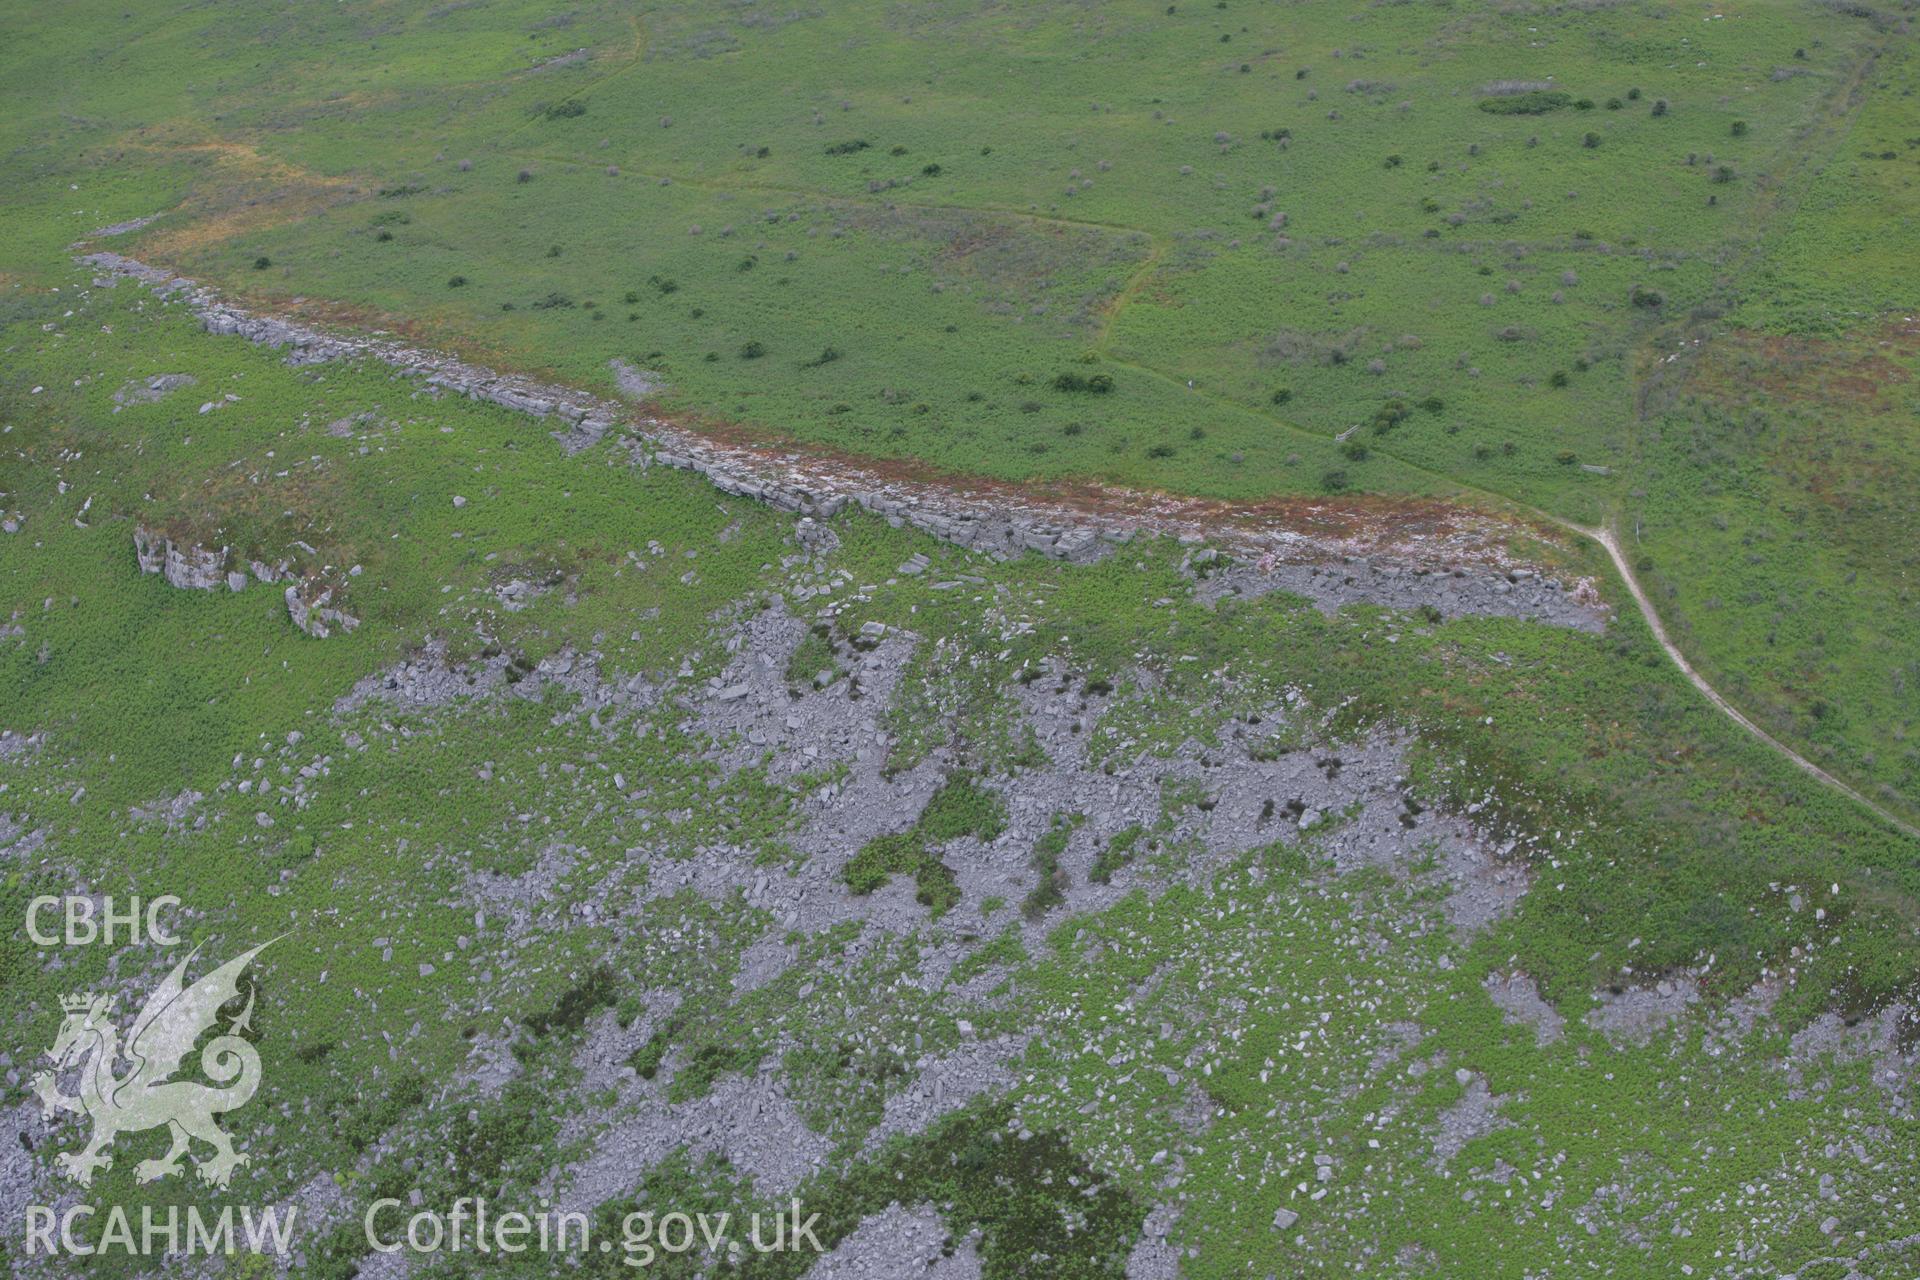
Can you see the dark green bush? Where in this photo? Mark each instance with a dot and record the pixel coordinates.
(1118, 852)
(1390, 415)
(1098, 383)
(963, 808)
(576, 1004)
(1536, 103)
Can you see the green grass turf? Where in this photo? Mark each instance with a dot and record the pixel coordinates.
(1265, 226)
(1764, 475)
(1666, 838)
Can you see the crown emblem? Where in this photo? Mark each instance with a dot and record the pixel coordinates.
(77, 1003)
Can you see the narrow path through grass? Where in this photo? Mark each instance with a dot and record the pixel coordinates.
(1605, 537)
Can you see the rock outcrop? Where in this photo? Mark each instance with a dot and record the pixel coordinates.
(150, 390)
(196, 568)
(191, 567)
(317, 617)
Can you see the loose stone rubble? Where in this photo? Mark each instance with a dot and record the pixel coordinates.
(1474, 1116)
(1521, 1004)
(151, 390)
(1518, 593)
(750, 712)
(900, 1242)
(750, 1120)
(1633, 1014)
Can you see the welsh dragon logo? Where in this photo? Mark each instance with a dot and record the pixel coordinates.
(171, 1022)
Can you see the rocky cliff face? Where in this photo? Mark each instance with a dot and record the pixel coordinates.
(191, 567)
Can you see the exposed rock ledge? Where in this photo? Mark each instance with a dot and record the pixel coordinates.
(191, 568)
(197, 568)
(316, 617)
(1459, 568)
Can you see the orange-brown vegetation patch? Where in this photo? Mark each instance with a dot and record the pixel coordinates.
(975, 239)
(431, 330)
(239, 189)
(1862, 370)
(1422, 530)
(256, 505)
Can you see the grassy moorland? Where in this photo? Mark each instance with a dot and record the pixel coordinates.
(1198, 244)
(1217, 207)
(192, 739)
(1627, 262)
(1777, 460)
